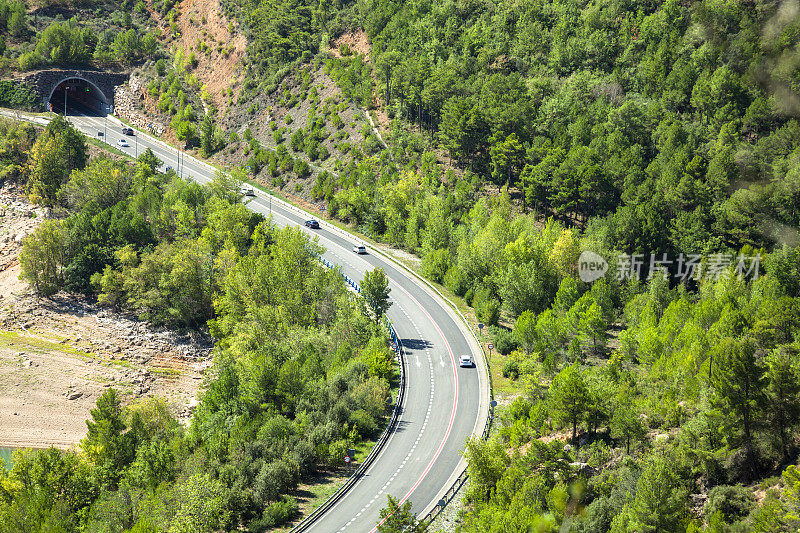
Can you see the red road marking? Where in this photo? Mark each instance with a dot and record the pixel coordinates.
(452, 413)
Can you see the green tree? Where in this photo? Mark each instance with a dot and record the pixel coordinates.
(43, 256)
(783, 395)
(396, 518)
(568, 398)
(59, 150)
(738, 378)
(375, 290)
(525, 331)
(107, 445)
(207, 135)
(626, 422)
(593, 325)
(508, 157)
(659, 505)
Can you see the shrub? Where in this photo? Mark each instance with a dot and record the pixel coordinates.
(301, 168)
(733, 501)
(511, 370)
(363, 422)
(275, 515)
(504, 341)
(30, 60)
(17, 96)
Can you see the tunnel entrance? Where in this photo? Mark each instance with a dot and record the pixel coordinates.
(77, 96)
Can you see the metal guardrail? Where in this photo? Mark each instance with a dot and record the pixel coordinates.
(309, 520)
(335, 497)
(447, 497)
(462, 478)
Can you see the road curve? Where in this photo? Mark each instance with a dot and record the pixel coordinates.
(444, 404)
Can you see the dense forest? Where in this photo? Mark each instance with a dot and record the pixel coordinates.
(302, 372)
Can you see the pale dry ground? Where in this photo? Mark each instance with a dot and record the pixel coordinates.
(33, 409)
(62, 347)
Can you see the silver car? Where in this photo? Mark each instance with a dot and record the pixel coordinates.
(466, 360)
(359, 249)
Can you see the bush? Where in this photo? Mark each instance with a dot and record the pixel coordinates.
(469, 296)
(519, 408)
(275, 515)
(30, 60)
(511, 370)
(17, 96)
(301, 168)
(733, 501)
(363, 422)
(504, 341)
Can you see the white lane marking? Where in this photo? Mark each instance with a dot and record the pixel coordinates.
(200, 177)
(419, 435)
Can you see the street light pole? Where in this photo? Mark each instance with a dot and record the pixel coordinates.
(66, 88)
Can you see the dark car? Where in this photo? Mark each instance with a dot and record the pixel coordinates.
(127, 131)
(313, 224)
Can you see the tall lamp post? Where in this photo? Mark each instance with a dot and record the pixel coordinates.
(66, 88)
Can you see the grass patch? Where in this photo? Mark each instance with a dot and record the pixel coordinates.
(166, 372)
(40, 344)
(119, 362)
(503, 387)
(315, 492)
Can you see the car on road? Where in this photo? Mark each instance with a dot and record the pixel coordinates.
(123, 143)
(127, 131)
(313, 224)
(466, 360)
(359, 249)
(248, 191)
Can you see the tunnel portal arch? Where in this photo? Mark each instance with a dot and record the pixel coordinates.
(76, 91)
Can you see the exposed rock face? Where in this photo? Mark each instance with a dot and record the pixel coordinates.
(125, 99)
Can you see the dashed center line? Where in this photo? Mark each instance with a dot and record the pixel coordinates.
(419, 435)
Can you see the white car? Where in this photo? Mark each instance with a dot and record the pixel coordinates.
(248, 191)
(359, 249)
(466, 360)
(123, 143)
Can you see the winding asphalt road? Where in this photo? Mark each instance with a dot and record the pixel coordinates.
(444, 403)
